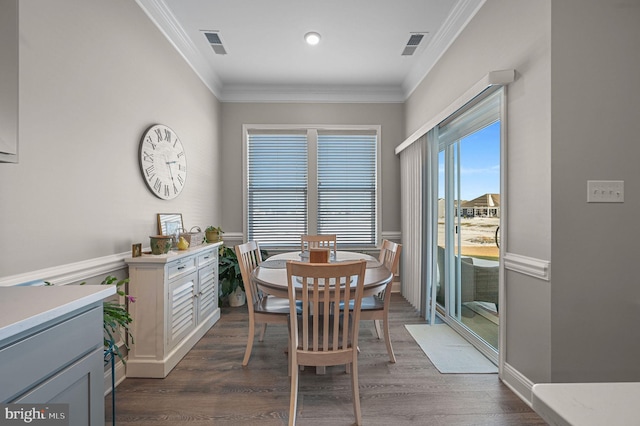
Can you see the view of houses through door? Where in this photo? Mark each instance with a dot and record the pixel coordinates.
(468, 254)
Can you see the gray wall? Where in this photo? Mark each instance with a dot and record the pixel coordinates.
(93, 76)
(572, 116)
(595, 296)
(388, 115)
(508, 34)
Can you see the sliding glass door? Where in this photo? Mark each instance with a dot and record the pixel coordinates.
(468, 198)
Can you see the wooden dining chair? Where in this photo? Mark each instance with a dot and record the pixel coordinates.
(319, 241)
(324, 333)
(265, 309)
(376, 307)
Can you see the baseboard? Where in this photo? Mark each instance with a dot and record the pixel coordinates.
(517, 382)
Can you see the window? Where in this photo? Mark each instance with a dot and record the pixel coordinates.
(312, 181)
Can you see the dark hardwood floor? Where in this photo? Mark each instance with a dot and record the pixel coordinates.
(210, 386)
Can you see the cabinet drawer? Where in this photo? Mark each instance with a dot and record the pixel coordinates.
(181, 266)
(40, 355)
(208, 257)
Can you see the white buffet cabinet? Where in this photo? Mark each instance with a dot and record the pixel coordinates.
(176, 304)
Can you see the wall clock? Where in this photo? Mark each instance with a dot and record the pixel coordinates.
(162, 162)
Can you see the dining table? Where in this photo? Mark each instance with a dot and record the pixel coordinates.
(271, 275)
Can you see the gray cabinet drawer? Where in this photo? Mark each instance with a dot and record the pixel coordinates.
(48, 351)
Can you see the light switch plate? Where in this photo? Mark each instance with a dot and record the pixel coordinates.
(605, 191)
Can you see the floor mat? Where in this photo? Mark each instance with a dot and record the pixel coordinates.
(448, 351)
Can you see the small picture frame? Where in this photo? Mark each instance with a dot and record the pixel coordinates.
(136, 250)
(169, 223)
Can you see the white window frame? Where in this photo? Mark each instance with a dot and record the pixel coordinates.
(312, 145)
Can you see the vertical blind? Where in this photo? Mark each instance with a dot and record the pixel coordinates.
(412, 176)
(347, 187)
(281, 204)
(277, 188)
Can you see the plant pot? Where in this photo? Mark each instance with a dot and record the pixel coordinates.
(160, 244)
(212, 236)
(237, 297)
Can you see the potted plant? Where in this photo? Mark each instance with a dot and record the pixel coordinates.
(213, 234)
(230, 277)
(115, 318)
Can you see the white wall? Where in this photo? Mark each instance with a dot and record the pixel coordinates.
(510, 34)
(93, 76)
(234, 115)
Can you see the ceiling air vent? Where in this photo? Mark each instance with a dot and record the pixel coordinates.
(216, 44)
(413, 43)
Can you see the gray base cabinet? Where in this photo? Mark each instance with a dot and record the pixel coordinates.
(176, 304)
(58, 360)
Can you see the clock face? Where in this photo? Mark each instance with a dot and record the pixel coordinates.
(162, 162)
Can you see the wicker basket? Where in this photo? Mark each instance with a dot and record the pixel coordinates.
(194, 238)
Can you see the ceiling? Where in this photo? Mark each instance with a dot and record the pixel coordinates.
(359, 57)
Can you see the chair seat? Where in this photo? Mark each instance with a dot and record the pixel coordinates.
(274, 305)
(369, 303)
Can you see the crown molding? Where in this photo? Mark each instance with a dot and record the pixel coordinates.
(164, 19)
(328, 94)
(457, 20)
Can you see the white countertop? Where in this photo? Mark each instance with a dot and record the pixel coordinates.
(22, 308)
(585, 404)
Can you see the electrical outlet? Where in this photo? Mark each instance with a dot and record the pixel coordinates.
(605, 191)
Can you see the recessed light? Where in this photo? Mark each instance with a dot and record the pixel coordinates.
(312, 38)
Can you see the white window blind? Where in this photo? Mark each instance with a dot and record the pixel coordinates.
(312, 181)
(277, 188)
(347, 187)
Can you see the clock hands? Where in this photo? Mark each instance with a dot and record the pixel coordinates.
(169, 163)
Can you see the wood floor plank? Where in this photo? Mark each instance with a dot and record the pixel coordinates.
(210, 386)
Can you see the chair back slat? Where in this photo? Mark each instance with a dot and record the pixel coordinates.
(324, 324)
(248, 258)
(319, 241)
(390, 258)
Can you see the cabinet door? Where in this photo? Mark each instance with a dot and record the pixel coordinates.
(181, 308)
(81, 385)
(207, 300)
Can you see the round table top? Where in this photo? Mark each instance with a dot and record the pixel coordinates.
(271, 274)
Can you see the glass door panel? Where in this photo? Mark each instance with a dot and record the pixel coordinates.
(468, 222)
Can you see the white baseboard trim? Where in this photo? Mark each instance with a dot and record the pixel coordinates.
(517, 382)
(537, 268)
